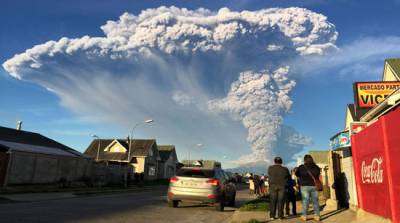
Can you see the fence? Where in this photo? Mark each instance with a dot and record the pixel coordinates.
(31, 168)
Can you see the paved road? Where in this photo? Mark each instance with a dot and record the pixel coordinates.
(137, 207)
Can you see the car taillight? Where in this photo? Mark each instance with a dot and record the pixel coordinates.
(173, 179)
(213, 182)
(212, 196)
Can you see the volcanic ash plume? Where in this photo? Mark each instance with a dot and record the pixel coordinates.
(259, 99)
(172, 63)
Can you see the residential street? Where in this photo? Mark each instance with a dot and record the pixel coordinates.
(148, 206)
(234, 111)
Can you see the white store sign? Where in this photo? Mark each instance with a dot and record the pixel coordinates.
(372, 173)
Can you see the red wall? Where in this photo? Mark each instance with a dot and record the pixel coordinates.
(376, 155)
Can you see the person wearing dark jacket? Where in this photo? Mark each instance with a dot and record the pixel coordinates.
(291, 196)
(306, 174)
(278, 177)
(256, 180)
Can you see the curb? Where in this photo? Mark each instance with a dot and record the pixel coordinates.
(135, 189)
(32, 197)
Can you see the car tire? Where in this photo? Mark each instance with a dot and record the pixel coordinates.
(221, 205)
(173, 204)
(232, 202)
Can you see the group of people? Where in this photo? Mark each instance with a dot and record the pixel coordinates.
(283, 187)
(257, 185)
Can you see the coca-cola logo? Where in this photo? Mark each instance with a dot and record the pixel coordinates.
(372, 173)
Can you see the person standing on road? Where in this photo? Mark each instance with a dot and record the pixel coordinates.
(278, 176)
(251, 184)
(291, 195)
(306, 174)
(262, 185)
(256, 180)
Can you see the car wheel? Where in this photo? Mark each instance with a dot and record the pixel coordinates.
(233, 201)
(173, 204)
(221, 205)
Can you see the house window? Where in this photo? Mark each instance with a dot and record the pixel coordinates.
(152, 170)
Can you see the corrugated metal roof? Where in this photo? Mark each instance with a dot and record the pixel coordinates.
(394, 63)
(32, 138)
(13, 146)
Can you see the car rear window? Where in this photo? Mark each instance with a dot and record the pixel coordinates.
(199, 173)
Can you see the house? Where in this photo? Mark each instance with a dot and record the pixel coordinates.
(142, 156)
(31, 158)
(391, 70)
(168, 162)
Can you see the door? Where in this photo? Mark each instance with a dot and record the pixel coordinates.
(349, 181)
(3, 166)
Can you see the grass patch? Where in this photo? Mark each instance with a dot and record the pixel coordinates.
(259, 204)
(253, 221)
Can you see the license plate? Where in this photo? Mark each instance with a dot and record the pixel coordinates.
(190, 183)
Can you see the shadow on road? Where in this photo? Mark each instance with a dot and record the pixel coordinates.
(121, 207)
(83, 208)
(332, 213)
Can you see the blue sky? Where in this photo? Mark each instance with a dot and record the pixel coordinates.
(319, 98)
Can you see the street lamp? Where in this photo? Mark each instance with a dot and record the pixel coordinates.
(98, 146)
(148, 121)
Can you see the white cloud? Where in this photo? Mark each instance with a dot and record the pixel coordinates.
(361, 59)
(273, 47)
(182, 99)
(147, 63)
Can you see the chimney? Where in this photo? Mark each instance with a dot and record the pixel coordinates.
(19, 125)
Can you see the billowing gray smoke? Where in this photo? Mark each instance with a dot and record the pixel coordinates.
(168, 63)
(260, 100)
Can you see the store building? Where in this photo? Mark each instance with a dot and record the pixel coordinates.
(376, 150)
(364, 151)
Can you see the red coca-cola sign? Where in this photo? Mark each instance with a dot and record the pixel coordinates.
(372, 172)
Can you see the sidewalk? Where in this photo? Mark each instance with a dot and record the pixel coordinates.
(345, 216)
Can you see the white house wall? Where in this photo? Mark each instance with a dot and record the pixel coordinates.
(348, 170)
(139, 166)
